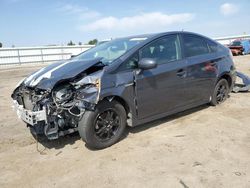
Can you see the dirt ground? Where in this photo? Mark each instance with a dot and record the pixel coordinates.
(203, 147)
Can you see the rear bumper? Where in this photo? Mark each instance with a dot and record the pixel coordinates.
(28, 116)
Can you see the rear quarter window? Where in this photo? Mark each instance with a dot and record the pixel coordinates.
(213, 46)
(194, 45)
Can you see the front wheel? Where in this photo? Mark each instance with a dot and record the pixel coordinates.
(220, 93)
(104, 126)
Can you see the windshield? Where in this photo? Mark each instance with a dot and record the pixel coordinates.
(111, 50)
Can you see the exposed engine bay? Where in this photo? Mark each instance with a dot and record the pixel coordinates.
(56, 112)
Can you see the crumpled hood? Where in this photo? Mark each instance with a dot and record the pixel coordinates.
(47, 77)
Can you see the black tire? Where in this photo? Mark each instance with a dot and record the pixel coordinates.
(108, 119)
(220, 93)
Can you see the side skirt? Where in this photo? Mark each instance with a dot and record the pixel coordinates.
(137, 122)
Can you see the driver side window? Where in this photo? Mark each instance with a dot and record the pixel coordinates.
(163, 50)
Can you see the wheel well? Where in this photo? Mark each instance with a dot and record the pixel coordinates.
(120, 100)
(228, 78)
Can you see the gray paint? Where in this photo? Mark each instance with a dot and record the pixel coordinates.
(150, 94)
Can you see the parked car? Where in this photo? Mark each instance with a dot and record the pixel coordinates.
(240, 47)
(127, 81)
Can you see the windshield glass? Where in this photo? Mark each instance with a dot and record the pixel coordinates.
(111, 50)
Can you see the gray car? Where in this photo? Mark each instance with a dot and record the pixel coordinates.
(124, 82)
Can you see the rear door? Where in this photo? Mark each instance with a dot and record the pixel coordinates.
(202, 67)
(161, 89)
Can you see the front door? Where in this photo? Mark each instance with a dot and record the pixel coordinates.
(161, 89)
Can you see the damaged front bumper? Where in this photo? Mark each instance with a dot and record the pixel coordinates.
(56, 112)
(40, 122)
(28, 116)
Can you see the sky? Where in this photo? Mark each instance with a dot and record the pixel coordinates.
(47, 22)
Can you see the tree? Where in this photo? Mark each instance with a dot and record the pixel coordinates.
(70, 43)
(79, 43)
(1, 45)
(93, 42)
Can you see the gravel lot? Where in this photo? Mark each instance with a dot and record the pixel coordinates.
(203, 147)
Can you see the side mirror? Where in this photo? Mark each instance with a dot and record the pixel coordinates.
(147, 63)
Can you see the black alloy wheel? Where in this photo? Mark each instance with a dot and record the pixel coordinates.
(220, 93)
(106, 125)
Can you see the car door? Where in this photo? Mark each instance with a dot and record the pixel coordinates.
(161, 89)
(201, 69)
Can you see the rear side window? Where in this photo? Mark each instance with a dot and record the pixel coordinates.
(163, 50)
(194, 45)
(213, 47)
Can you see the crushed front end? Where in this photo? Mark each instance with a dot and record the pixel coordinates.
(56, 112)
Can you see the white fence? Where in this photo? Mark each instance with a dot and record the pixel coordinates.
(229, 39)
(24, 55)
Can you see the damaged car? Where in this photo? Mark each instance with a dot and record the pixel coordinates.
(124, 82)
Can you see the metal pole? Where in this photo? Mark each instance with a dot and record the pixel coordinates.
(62, 51)
(42, 55)
(19, 59)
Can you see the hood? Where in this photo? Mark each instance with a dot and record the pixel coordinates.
(47, 77)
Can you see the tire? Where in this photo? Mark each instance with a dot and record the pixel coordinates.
(220, 93)
(108, 120)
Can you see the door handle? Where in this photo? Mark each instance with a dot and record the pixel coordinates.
(181, 73)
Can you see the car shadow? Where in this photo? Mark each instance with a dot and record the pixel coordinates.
(61, 142)
(72, 138)
(166, 119)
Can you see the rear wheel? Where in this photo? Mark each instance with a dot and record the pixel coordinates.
(220, 93)
(104, 126)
